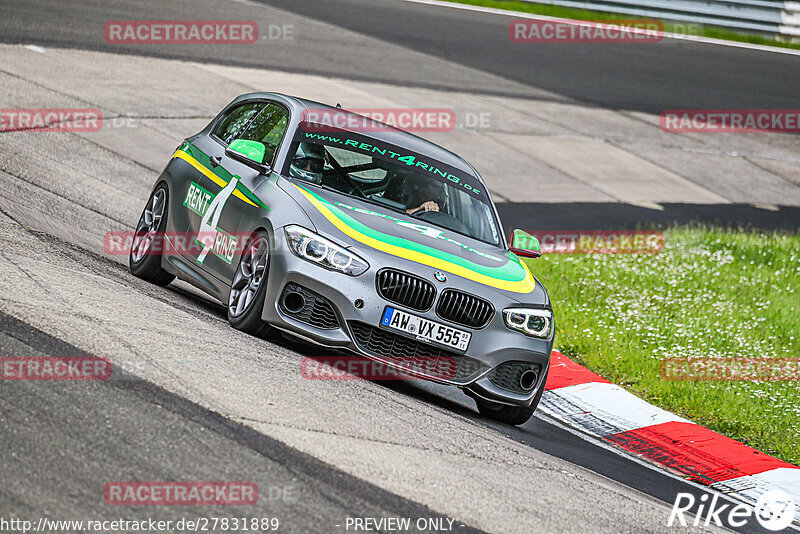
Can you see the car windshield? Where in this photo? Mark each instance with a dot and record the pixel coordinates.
(394, 178)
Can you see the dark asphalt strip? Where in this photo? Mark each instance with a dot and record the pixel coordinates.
(127, 428)
(639, 77)
(41, 342)
(294, 68)
(573, 216)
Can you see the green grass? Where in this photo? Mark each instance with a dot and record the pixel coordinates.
(708, 293)
(583, 14)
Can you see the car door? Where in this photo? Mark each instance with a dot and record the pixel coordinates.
(204, 182)
(232, 185)
(206, 199)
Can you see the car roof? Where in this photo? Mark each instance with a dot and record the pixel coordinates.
(389, 135)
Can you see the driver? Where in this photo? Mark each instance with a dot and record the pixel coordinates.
(308, 163)
(424, 193)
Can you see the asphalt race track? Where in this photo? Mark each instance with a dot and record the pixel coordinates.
(675, 74)
(407, 44)
(185, 442)
(193, 399)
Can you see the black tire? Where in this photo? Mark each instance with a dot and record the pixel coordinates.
(144, 260)
(247, 317)
(512, 415)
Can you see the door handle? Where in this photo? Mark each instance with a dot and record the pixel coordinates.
(215, 160)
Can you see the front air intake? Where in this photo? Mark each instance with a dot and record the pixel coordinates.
(406, 289)
(519, 377)
(464, 309)
(308, 307)
(407, 353)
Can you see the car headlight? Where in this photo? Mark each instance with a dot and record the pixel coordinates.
(317, 249)
(534, 322)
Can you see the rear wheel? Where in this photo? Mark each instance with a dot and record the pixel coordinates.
(148, 240)
(249, 288)
(513, 415)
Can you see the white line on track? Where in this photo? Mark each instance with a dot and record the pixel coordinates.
(35, 48)
(679, 36)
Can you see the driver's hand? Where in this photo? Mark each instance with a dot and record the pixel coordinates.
(426, 206)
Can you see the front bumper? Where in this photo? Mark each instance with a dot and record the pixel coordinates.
(489, 347)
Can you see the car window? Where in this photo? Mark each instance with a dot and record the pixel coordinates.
(236, 120)
(395, 178)
(349, 159)
(269, 128)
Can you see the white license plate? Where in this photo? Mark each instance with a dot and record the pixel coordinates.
(425, 330)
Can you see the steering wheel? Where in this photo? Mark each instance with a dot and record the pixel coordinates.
(441, 218)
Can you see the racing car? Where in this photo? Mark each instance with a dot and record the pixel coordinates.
(367, 239)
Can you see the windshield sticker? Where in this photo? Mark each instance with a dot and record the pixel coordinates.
(421, 228)
(411, 160)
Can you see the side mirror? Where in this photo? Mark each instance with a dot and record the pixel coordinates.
(525, 245)
(251, 153)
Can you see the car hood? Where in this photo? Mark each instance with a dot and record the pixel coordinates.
(364, 226)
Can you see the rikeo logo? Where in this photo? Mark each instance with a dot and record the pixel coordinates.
(775, 510)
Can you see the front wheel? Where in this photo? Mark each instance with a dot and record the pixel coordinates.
(249, 288)
(512, 415)
(148, 240)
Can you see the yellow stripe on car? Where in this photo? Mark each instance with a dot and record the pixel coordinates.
(185, 156)
(526, 285)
